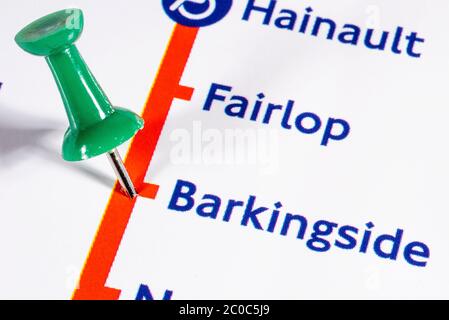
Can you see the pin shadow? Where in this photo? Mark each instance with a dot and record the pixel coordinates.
(52, 155)
(30, 137)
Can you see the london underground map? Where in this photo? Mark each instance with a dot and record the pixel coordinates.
(291, 150)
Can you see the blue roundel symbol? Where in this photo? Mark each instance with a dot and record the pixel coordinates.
(197, 13)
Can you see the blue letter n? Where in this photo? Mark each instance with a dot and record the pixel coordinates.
(144, 293)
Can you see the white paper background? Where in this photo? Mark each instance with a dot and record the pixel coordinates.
(391, 170)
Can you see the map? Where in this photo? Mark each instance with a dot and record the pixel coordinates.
(291, 150)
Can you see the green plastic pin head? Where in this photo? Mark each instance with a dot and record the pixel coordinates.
(96, 127)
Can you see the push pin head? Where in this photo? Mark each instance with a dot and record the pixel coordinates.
(51, 33)
(96, 127)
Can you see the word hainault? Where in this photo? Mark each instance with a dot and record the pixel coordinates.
(323, 236)
(317, 26)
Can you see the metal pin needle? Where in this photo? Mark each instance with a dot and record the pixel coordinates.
(121, 173)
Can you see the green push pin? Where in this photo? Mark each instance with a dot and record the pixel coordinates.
(96, 127)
